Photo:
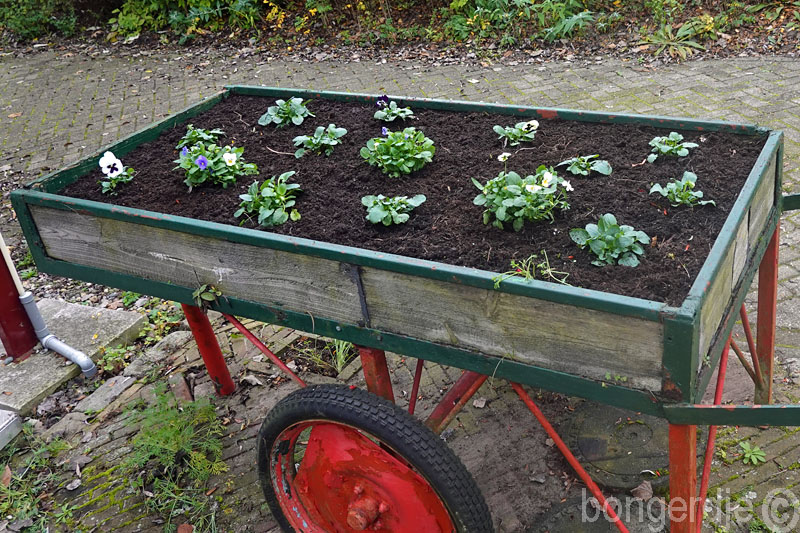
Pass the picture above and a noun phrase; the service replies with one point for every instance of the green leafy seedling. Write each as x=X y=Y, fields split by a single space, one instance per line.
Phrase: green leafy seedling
x=271 y=202
x=195 y=135
x=680 y=192
x=322 y=140
x=752 y=454
x=292 y=111
x=393 y=210
x=583 y=165
x=610 y=242
x=670 y=145
x=206 y=295
x=390 y=112
x=518 y=133
x=400 y=152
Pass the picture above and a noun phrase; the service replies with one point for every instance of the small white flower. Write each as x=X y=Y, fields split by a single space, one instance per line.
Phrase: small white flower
x=532 y=125
x=503 y=157
x=567 y=185
x=547 y=179
x=110 y=165
x=230 y=158
x=532 y=188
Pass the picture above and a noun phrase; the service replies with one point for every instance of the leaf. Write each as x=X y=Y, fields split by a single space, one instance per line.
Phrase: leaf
x=294 y=215
x=207 y=296
x=644 y=491
x=14 y=115
x=579 y=236
x=628 y=259
x=652 y=157
x=602 y=166
x=6 y=479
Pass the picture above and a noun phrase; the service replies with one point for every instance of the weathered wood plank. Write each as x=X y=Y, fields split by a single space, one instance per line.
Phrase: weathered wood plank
x=741 y=251
x=555 y=336
x=296 y=282
x=763 y=201
x=716 y=302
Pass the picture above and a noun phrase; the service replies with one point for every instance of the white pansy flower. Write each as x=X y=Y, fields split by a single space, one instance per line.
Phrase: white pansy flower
x=567 y=185
x=547 y=179
x=532 y=124
x=110 y=165
x=503 y=157
x=230 y=158
x=532 y=188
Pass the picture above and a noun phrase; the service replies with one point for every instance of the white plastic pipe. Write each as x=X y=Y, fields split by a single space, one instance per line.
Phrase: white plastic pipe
x=48 y=340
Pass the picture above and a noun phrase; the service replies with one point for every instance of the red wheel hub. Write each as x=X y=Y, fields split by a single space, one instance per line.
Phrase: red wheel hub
x=347 y=482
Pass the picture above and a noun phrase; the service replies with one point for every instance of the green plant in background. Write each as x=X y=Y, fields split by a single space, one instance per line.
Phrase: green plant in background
x=129 y=298
x=174 y=453
x=388 y=110
x=162 y=317
x=752 y=454
x=284 y=112
x=400 y=152
x=510 y=198
x=206 y=295
x=670 y=145
x=582 y=165
x=681 y=192
x=393 y=210
x=678 y=44
x=518 y=133
x=211 y=163
x=343 y=353
x=198 y=135
x=26 y=266
x=34 y=476
x=31 y=19
x=532 y=268
x=113 y=360
x=323 y=140
x=610 y=242
x=271 y=202
x=663 y=11
x=566 y=27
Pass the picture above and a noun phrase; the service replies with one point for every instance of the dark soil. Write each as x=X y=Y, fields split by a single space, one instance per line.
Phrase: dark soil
x=315 y=355
x=448 y=227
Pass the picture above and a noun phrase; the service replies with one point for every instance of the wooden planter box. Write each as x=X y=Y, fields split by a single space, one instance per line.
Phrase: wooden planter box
x=561 y=338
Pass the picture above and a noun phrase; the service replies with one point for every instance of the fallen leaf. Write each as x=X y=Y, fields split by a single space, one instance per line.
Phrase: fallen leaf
x=474 y=81
x=74 y=484
x=479 y=403
x=643 y=492
x=14 y=115
x=6 y=479
x=211 y=491
x=185 y=528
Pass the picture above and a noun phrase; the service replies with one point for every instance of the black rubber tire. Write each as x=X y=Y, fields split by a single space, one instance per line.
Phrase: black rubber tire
x=394 y=427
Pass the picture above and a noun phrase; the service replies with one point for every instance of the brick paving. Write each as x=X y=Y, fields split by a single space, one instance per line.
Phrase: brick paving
x=58 y=107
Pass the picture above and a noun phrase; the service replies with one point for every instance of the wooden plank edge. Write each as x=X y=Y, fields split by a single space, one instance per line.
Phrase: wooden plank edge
x=733 y=415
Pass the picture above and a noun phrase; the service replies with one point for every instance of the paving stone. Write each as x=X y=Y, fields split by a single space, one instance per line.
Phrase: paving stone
x=105 y=394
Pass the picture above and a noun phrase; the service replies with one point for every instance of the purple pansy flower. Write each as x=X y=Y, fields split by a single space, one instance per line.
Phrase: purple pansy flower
x=384 y=131
x=184 y=152
x=383 y=101
x=201 y=162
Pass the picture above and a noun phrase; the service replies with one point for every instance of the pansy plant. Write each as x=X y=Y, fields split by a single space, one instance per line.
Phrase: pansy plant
x=322 y=140
x=583 y=165
x=680 y=192
x=195 y=135
x=511 y=199
x=272 y=202
x=518 y=133
x=292 y=111
x=672 y=144
x=392 y=210
x=115 y=172
x=388 y=110
x=399 y=152
x=211 y=163
x=610 y=242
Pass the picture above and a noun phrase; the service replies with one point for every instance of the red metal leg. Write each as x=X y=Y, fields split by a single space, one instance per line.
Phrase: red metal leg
x=16 y=331
x=712 y=435
x=751 y=345
x=376 y=372
x=682 y=478
x=458 y=395
x=765 y=328
x=209 y=349
x=263 y=347
x=573 y=462
x=412 y=404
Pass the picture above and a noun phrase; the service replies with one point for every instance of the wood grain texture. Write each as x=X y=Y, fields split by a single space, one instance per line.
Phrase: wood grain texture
x=561 y=337
x=294 y=282
x=763 y=201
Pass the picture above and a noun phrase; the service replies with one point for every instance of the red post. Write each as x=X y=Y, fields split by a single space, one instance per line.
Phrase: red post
x=412 y=403
x=458 y=395
x=16 y=331
x=209 y=349
x=767 y=313
x=682 y=478
x=376 y=372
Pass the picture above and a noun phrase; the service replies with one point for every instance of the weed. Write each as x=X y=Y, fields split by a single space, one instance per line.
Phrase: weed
x=113 y=360
x=129 y=298
x=675 y=44
x=752 y=454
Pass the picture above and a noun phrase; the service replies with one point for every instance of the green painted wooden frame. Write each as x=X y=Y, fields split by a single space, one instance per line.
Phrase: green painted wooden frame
x=681 y=364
